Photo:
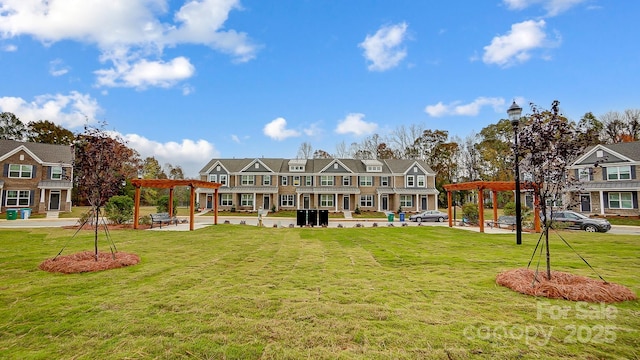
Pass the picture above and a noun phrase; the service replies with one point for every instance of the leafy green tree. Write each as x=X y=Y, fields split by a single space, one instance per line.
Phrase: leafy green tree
x=119 y=209
x=162 y=205
x=589 y=129
x=11 y=128
x=46 y=132
x=496 y=152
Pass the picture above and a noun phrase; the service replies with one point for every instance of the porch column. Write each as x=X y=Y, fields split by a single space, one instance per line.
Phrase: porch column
x=336 y=200
x=601 y=193
x=42 y=194
x=215 y=207
x=255 y=201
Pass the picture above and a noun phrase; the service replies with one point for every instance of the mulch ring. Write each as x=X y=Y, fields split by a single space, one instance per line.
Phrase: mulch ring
x=86 y=262
x=563 y=286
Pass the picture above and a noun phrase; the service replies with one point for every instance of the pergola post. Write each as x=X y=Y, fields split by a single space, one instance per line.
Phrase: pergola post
x=192 y=204
x=481 y=209
x=171 y=201
x=494 y=200
x=449 y=208
x=215 y=207
x=136 y=208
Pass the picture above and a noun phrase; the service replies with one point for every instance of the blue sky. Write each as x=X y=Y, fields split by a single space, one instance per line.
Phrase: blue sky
x=186 y=81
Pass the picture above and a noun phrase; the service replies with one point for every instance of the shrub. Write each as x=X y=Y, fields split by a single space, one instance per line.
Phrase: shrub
x=470 y=212
x=119 y=209
x=145 y=220
x=162 y=205
x=510 y=209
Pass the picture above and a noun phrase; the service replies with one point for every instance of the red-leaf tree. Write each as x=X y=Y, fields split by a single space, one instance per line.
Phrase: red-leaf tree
x=102 y=164
x=549 y=143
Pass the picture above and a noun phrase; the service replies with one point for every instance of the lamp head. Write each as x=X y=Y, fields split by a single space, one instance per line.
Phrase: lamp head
x=514 y=113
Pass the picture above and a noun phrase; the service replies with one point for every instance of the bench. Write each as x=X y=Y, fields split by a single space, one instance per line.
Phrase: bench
x=505 y=220
x=162 y=218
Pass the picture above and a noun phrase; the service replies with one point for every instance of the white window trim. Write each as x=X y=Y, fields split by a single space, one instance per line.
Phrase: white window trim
x=56 y=170
x=366 y=201
x=621 y=201
x=19 y=195
x=411 y=181
x=251 y=180
x=368 y=182
x=421 y=181
x=246 y=200
x=618 y=172
x=327 y=180
x=326 y=200
x=20 y=171
x=226 y=199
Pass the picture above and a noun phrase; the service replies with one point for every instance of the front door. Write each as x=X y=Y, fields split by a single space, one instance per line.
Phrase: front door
x=423 y=203
x=305 y=202
x=345 y=202
x=209 y=201
x=266 y=202
x=585 y=203
x=54 y=201
x=385 y=202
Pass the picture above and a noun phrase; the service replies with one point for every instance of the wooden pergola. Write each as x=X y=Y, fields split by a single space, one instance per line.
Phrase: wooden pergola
x=494 y=187
x=171 y=184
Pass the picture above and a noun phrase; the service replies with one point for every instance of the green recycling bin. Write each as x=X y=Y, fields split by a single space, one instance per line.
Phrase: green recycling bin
x=390 y=217
x=12 y=214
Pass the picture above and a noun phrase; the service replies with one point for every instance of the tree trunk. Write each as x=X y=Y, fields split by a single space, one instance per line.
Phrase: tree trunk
x=546 y=233
x=97 y=212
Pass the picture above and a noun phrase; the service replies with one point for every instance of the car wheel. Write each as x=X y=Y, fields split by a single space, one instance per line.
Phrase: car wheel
x=440 y=219
x=419 y=219
x=590 y=228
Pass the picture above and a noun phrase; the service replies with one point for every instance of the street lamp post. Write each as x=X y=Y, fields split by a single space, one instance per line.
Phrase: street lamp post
x=514 y=115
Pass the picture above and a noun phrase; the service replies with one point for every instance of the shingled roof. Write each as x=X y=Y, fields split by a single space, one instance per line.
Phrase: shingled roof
x=47 y=153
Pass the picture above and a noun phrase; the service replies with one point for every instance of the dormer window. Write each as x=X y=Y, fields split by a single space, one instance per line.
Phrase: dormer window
x=296 y=168
x=374 y=168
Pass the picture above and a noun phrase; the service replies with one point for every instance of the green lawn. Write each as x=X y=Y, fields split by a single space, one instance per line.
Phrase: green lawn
x=243 y=292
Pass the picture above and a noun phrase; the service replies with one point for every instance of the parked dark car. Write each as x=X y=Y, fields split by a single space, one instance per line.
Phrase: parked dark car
x=429 y=215
x=577 y=221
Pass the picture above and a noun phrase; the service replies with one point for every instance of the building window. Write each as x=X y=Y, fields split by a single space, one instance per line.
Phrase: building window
x=246 y=200
x=366 y=200
x=266 y=180
x=326 y=180
x=621 y=200
x=226 y=199
x=584 y=174
x=366 y=180
x=296 y=168
x=223 y=179
x=283 y=181
x=248 y=179
x=213 y=178
x=256 y=165
x=296 y=180
x=309 y=180
x=411 y=182
x=287 y=200
x=406 y=200
x=20 y=171
x=421 y=181
x=56 y=173
x=326 y=200
x=374 y=168
x=619 y=173
x=17 y=198
x=346 y=181
x=384 y=181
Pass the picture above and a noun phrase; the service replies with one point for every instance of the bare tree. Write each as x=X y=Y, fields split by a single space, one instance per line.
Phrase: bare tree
x=305 y=151
x=402 y=139
x=342 y=152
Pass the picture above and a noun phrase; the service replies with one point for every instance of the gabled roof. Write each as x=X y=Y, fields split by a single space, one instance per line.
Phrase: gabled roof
x=613 y=153
x=401 y=166
x=239 y=165
x=42 y=153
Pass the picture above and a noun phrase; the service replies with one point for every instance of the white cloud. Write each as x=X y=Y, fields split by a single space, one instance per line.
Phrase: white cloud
x=313 y=130
x=384 y=49
x=355 y=124
x=457 y=108
x=516 y=46
x=70 y=111
x=10 y=48
x=143 y=73
x=128 y=32
x=57 y=68
x=277 y=130
x=553 y=7
x=190 y=155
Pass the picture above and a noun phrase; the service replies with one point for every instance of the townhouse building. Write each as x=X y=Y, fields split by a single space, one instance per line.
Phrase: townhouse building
x=335 y=185
x=607 y=180
x=35 y=176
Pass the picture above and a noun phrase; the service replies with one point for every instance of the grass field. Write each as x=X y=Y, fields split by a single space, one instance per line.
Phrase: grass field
x=242 y=292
